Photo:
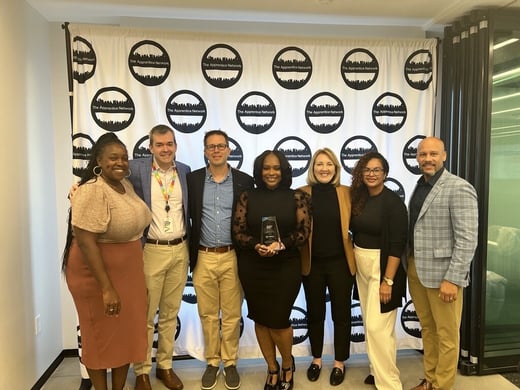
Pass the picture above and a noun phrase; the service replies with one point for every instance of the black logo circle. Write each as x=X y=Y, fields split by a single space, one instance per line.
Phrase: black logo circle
x=149 y=63
x=389 y=112
x=112 y=109
x=256 y=112
x=357 y=334
x=299 y=324
x=410 y=321
x=297 y=152
x=188 y=294
x=359 y=69
x=324 y=113
x=410 y=154
x=84 y=60
x=186 y=111
x=353 y=149
x=221 y=65
x=395 y=186
x=141 y=148
x=292 y=68
x=418 y=69
x=81 y=150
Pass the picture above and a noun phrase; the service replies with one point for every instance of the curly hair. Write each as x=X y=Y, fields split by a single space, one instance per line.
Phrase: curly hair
x=358 y=188
x=285 y=167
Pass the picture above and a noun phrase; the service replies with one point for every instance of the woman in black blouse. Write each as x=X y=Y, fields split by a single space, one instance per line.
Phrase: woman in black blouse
x=379 y=226
x=333 y=265
x=270 y=273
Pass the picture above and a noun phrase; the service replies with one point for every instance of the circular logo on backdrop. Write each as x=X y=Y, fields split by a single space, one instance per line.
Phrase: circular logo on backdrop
x=410 y=321
x=188 y=294
x=292 y=68
x=141 y=148
x=149 y=63
x=357 y=334
x=186 y=111
x=256 y=112
x=84 y=60
x=297 y=152
x=236 y=155
x=324 y=113
x=81 y=149
x=155 y=342
x=418 y=69
x=395 y=186
x=298 y=320
x=221 y=65
x=359 y=69
x=389 y=112
x=410 y=154
x=353 y=149
x=112 y=109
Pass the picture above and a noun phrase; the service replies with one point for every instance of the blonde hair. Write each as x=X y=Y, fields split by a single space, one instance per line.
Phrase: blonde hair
x=311 y=177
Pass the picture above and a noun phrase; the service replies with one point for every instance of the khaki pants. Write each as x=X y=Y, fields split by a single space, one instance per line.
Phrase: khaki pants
x=166 y=271
x=440 y=323
x=380 y=336
x=219 y=302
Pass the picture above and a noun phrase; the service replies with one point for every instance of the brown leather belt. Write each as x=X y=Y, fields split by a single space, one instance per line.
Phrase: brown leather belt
x=175 y=241
x=217 y=249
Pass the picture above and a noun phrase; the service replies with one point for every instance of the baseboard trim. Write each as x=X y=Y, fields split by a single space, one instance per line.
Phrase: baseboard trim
x=49 y=371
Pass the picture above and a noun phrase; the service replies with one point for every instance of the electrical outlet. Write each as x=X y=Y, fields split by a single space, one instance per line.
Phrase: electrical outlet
x=37 y=325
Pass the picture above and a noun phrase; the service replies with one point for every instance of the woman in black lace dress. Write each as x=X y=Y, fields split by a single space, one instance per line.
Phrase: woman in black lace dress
x=270 y=273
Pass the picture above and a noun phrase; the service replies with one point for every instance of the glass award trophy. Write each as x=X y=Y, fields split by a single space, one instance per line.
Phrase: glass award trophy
x=270 y=231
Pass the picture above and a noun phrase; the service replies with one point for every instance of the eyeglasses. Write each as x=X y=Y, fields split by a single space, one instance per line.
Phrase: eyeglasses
x=374 y=171
x=215 y=147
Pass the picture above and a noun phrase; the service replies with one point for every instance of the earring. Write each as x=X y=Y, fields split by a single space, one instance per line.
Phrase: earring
x=129 y=173
x=97 y=170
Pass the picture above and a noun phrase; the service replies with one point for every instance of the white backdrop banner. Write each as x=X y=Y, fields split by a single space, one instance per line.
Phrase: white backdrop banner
x=291 y=94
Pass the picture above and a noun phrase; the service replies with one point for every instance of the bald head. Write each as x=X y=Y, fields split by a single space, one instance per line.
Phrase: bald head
x=431 y=155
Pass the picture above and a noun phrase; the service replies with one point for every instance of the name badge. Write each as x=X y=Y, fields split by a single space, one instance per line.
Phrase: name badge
x=168 y=225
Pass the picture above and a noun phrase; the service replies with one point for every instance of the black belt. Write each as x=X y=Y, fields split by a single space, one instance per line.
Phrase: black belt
x=175 y=241
x=216 y=249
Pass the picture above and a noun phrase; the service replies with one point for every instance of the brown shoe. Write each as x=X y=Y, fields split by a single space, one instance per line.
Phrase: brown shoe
x=424 y=385
x=142 y=382
x=169 y=378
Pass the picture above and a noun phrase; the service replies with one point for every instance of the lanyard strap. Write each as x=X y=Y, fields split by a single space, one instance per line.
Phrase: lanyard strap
x=165 y=192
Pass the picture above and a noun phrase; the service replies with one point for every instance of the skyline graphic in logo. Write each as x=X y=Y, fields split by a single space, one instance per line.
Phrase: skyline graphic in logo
x=256 y=112
x=236 y=155
x=357 y=330
x=292 y=68
x=188 y=295
x=221 y=66
x=83 y=60
x=141 y=149
x=389 y=112
x=112 y=109
x=410 y=321
x=359 y=69
x=298 y=319
x=186 y=111
x=396 y=186
x=410 y=154
x=297 y=152
x=353 y=149
x=324 y=113
x=418 y=69
x=149 y=63
x=81 y=148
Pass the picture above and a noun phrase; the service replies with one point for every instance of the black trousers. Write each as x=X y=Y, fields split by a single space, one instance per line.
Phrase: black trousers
x=332 y=274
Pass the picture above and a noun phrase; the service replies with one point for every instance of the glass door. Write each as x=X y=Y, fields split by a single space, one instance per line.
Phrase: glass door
x=502 y=300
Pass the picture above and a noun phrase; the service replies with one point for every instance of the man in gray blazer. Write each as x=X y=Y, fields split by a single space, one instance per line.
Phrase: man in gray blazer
x=161 y=182
x=443 y=238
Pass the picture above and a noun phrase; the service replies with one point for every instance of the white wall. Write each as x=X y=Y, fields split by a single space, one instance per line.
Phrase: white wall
x=29 y=268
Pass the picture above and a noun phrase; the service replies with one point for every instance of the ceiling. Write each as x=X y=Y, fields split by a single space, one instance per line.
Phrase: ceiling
x=428 y=15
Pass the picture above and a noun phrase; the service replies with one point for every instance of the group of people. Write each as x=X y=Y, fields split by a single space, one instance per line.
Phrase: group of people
x=135 y=227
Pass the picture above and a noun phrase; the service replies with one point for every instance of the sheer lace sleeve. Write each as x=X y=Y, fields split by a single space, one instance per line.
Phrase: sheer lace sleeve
x=303 y=220
x=241 y=234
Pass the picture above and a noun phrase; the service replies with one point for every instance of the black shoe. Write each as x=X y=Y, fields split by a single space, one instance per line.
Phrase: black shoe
x=270 y=375
x=85 y=384
x=313 y=372
x=337 y=375
x=369 y=380
x=288 y=384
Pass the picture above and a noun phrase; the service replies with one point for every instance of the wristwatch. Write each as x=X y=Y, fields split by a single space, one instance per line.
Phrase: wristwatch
x=388 y=281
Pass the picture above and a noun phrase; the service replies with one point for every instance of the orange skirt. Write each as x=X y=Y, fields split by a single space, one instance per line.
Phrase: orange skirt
x=110 y=342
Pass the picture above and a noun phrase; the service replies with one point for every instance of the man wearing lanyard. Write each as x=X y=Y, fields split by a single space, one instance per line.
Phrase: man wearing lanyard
x=213 y=192
x=161 y=182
